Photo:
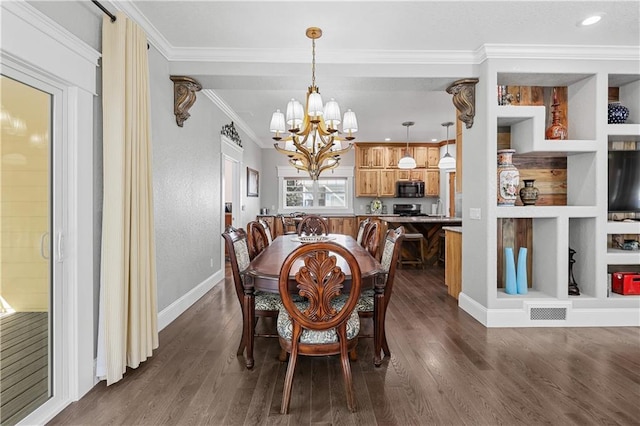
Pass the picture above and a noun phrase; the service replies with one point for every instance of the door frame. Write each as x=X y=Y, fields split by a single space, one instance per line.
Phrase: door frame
x=36 y=49
x=233 y=154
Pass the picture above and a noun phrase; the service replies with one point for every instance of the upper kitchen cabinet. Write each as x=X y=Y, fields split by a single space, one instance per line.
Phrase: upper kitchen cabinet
x=377 y=168
x=426 y=156
x=370 y=157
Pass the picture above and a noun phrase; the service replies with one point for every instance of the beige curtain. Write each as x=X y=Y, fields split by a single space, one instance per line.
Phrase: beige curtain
x=128 y=329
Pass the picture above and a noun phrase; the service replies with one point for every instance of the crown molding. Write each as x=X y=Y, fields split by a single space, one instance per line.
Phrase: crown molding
x=229 y=112
x=154 y=37
x=46 y=25
x=565 y=52
x=393 y=57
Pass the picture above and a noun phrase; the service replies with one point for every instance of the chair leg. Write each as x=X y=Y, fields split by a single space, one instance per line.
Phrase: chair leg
x=249 y=316
x=288 y=382
x=353 y=355
x=385 y=345
x=283 y=355
x=346 y=372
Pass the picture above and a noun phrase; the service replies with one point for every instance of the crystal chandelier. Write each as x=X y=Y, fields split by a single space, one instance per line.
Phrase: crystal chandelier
x=313 y=144
x=447 y=161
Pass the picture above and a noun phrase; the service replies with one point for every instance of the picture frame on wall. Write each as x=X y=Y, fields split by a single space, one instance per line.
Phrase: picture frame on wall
x=253 y=182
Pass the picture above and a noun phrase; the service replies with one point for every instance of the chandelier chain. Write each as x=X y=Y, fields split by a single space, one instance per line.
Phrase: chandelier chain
x=313 y=62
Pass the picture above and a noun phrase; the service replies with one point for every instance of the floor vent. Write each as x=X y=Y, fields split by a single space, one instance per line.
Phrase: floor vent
x=545 y=314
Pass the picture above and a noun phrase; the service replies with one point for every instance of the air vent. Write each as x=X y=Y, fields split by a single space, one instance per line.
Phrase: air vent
x=548 y=314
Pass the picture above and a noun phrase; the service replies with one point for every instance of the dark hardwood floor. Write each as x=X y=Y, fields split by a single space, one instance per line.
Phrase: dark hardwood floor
x=445 y=369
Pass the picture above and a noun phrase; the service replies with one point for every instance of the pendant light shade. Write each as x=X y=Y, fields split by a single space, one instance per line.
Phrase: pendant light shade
x=447 y=161
x=407 y=162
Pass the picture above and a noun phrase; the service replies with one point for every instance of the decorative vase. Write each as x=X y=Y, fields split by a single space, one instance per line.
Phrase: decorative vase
x=510 y=286
x=557 y=131
x=521 y=273
x=508 y=178
x=529 y=193
x=617 y=113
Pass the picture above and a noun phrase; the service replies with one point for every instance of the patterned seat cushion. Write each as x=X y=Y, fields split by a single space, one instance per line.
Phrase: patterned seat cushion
x=285 y=328
x=265 y=301
x=365 y=301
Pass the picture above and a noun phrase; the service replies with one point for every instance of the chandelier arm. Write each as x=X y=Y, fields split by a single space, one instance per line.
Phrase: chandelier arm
x=328 y=167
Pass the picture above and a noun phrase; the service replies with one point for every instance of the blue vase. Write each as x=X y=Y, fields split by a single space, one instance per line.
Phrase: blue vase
x=510 y=269
x=521 y=274
x=617 y=113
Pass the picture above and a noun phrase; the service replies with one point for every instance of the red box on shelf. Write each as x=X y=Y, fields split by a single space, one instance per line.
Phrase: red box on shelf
x=626 y=283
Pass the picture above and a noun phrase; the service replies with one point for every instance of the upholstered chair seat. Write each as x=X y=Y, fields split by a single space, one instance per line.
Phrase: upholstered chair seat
x=318 y=337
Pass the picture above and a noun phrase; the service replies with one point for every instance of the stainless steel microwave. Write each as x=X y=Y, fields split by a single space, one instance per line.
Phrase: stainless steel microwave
x=410 y=189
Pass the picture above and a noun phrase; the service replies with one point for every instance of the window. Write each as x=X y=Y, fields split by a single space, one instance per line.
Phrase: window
x=321 y=193
x=331 y=192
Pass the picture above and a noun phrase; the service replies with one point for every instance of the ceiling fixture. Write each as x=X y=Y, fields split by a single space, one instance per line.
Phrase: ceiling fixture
x=407 y=162
x=312 y=144
x=447 y=161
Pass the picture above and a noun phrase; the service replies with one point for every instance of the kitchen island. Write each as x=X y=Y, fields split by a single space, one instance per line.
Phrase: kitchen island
x=430 y=227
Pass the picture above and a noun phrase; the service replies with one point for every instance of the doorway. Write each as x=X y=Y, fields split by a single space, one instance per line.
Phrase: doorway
x=27 y=223
x=231 y=208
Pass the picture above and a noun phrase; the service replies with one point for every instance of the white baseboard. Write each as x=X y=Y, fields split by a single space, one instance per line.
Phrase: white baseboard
x=575 y=317
x=174 y=310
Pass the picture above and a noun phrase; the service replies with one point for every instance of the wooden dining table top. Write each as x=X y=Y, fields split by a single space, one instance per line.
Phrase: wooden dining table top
x=265 y=268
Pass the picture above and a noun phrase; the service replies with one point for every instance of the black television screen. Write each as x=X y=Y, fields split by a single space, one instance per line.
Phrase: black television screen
x=624 y=181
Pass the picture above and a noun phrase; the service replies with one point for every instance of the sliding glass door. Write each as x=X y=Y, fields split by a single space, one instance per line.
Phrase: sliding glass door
x=28 y=233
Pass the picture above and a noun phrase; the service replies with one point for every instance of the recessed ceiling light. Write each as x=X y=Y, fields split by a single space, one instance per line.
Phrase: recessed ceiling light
x=387 y=139
x=590 y=20
x=434 y=140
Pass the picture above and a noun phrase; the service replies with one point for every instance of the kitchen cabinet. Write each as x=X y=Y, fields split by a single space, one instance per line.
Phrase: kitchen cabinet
x=367 y=183
x=387 y=183
x=393 y=154
x=432 y=183
x=342 y=225
x=377 y=168
x=453 y=260
x=414 y=174
x=371 y=157
x=426 y=156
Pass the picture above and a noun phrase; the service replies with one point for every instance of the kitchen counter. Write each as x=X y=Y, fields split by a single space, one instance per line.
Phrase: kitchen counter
x=423 y=219
x=457 y=229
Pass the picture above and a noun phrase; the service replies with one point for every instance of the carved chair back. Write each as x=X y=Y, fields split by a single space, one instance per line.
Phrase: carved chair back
x=313 y=225
x=371 y=238
x=257 y=238
x=267 y=230
x=238 y=250
x=361 y=228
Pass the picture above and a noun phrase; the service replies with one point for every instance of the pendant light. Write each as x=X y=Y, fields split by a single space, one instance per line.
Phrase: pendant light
x=407 y=162
x=447 y=161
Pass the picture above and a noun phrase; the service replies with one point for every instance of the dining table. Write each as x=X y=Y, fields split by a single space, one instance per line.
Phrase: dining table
x=263 y=274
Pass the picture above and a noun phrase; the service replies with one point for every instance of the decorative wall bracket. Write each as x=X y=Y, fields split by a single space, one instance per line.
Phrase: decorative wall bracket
x=184 y=96
x=464 y=99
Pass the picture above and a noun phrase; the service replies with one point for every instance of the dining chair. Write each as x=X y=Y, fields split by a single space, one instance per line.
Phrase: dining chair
x=313 y=225
x=361 y=228
x=366 y=304
x=322 y=323
x=256 y=238
x=267 y=230
x=289 y=225
x=371 y=239
x=265 y=304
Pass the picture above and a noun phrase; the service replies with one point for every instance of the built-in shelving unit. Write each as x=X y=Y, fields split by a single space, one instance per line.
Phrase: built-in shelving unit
x=581 y=224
